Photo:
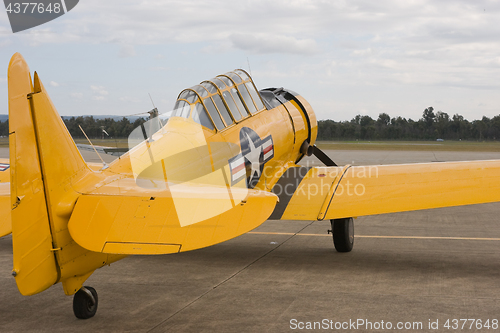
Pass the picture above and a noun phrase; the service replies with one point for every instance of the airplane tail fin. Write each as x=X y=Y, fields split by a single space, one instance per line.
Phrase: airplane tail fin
x=44 y=163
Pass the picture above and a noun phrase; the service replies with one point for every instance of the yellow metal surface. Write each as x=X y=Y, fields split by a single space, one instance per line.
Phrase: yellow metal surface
x=338 y=192
x=312 y=118
x=397 y=188
x=63 y=183
x=140 y=248
x=310 y=195
x=35 y=267
x=264 y=124
x=150 y=225
x=333 y=188
x=95 y=166
x=299 y=124
x=73 y=284
x=43 y=190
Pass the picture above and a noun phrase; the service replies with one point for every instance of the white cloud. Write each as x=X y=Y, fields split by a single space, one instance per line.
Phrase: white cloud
x=127 y=51
x=54 y=84
x=160 y=68
x=421 y=47
x=77 y=95
x=99 y=93
x=269 y=43
x=99 y=90
x=364 y=53
x=297 y=26
x=4 y=42
x=129 y=99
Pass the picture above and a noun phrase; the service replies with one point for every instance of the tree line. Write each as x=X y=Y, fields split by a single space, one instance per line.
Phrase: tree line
x=92 y=127
x=432 y=126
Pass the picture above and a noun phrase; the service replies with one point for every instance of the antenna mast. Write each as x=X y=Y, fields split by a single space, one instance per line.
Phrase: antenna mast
x=105 y=166
x=249 y=69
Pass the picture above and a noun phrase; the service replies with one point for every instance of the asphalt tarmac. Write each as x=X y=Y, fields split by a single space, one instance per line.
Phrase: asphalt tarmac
x=410 y=269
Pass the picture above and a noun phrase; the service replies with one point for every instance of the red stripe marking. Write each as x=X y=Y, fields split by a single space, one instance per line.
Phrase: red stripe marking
x=239 y=167
x=266 y=150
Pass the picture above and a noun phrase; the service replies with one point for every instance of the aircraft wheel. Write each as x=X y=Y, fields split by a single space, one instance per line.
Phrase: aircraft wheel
x=85 y=303
x=343 y=234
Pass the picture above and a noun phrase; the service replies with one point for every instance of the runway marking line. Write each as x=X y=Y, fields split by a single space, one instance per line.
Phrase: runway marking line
x=368 y=236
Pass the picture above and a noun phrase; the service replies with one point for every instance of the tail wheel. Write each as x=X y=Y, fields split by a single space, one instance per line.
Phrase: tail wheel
x=343 y=234
x=85 y=303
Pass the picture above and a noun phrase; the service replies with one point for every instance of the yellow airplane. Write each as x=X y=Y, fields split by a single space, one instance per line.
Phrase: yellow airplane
x=220 y=164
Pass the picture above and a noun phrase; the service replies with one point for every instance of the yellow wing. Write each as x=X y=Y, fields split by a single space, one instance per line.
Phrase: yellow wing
x=338 y=192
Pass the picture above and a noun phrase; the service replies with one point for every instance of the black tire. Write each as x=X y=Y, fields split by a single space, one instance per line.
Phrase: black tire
x=83 y=306
x=343 y=234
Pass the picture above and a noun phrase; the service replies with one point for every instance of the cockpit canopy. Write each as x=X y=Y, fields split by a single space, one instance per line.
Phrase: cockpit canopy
x=220 y=102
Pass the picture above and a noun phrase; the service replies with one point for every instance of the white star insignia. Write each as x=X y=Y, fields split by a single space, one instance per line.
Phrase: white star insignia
x=254 y=158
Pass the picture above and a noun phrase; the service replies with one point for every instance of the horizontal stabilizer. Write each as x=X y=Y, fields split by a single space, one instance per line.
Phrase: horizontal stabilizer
x=137 y=223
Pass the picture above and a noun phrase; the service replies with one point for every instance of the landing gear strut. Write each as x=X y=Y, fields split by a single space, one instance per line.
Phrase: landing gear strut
x=85 y=303
x=343 y=234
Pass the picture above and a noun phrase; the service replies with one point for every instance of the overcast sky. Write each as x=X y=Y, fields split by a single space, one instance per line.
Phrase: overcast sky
x=345 y=57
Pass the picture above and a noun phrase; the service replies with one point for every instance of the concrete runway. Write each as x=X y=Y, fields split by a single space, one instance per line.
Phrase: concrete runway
x=406 y=267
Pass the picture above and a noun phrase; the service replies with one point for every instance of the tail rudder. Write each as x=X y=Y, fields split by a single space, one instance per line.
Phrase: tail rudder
x=35 y=268
x=45 y=166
